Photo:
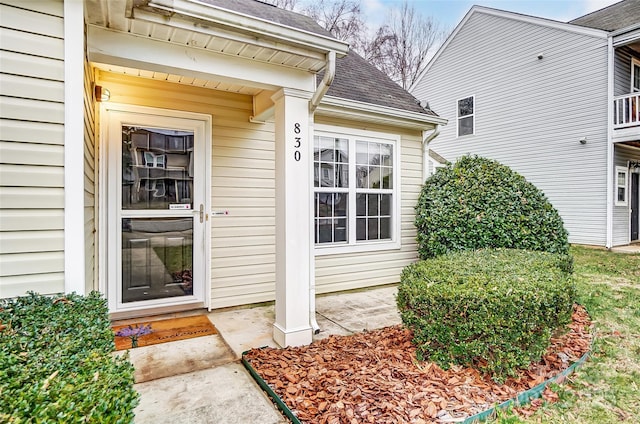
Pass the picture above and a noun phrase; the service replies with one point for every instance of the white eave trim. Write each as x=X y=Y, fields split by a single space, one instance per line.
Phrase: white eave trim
x=369 y=112
x=626 y=35
x=246 y=23
x=592 y=32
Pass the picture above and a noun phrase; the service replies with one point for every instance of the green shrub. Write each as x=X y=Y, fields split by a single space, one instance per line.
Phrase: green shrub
x=479 y=203
x=56 y=362
x=493 y=309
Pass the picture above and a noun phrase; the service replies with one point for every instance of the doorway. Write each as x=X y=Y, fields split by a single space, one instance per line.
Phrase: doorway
x=156 y=209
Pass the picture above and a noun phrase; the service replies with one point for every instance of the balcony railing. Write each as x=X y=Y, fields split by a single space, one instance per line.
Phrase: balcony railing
x=626 y=111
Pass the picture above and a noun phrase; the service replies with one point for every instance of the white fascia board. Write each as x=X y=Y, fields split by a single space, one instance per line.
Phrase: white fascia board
x=626 y=35
x=105 y=46
x=246 y=23
x=514 y=16
x=369 y=112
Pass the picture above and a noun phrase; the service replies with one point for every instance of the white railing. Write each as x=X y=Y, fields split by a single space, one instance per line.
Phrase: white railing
x=626 y=111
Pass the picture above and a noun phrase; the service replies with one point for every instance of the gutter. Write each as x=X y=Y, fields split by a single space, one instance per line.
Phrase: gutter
x=425 y=150
x=610 y=64
x=323 y=87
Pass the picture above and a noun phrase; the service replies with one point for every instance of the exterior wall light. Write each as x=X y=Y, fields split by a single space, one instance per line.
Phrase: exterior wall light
x=101 y=94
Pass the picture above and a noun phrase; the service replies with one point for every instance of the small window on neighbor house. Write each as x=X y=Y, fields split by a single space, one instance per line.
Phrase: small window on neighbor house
x=621 y=186
x=466 y=116
x=635 y=75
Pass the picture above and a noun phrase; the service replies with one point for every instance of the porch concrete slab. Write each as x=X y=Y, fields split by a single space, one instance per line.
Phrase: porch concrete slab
x=225 y=394
x=246 y=328
x=359 y=311
x=179 y=357
x=629 y=248
x=337 y=314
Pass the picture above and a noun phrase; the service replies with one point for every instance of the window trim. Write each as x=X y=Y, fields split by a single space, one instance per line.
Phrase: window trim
x=634 y=62
x=473 y=116
x=352 y=245
x=625 y=171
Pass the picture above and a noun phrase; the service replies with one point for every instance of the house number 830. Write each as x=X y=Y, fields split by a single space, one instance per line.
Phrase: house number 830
x=296 y=131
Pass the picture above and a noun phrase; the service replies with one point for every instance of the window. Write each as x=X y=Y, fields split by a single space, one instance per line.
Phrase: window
x=466 y=116
x=621 y=186
x=635 y=75
x=355 y=190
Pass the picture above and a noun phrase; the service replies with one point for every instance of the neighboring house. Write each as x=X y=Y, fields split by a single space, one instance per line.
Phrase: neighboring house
x=558 y=102
x=180 y=154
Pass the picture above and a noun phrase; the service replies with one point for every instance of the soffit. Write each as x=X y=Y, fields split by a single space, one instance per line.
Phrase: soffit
x=136 y=18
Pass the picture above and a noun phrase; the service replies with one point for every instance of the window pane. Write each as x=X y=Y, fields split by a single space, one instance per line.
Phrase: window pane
x=621 y=194
x=387 y=178
x=372 y=207
x=340 y=230
x=324 y=230
x=326 y=149
x=361 y=229
x=342 y=150
x=372 y=226
x=362 y=157
x=361 y=204
x=342 y=175
x=374 y=153
x=387 y=154
x=385 y=204
x=465 y=126
x=385 y=228
x=636 y=77
x=325 y=204
x=340 y=204
x=362 y=176
x=622 y=179
x=465 y=106
x=157 y=168
x=326 y=175
x=316 y=174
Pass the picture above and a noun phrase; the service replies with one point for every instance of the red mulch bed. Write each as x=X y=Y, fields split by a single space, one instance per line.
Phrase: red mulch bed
x=374 y=377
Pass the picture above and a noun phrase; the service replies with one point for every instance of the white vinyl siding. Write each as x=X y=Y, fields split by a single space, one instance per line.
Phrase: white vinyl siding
x=347 y=271
x=621 y=214
x=531 y=124
x=242 y=183
x=31 y=147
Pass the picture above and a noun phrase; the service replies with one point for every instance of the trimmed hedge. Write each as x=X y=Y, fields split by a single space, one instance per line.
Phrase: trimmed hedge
x=494 y=310
x=478 y=203
x=56 y=362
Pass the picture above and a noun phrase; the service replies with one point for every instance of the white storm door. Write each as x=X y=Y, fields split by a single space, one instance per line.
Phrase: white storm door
x=157 y=210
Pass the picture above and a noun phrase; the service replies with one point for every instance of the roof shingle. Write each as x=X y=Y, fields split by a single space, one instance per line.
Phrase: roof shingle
x=617 y=16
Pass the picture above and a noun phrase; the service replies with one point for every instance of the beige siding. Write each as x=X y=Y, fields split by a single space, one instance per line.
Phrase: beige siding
x=242 y=182
x=31 y=147
x=357 y=270
x=90 y=195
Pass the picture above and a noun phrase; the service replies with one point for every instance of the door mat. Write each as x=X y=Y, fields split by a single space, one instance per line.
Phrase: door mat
x=147 y=333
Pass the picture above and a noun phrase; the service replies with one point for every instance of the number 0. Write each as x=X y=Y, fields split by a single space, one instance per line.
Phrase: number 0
x=296 y=155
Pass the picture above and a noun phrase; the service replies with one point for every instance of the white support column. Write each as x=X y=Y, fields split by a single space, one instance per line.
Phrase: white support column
x=293 y=232
x=74 y=237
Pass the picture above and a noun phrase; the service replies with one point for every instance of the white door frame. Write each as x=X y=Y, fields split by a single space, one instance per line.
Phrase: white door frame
x=112 y=117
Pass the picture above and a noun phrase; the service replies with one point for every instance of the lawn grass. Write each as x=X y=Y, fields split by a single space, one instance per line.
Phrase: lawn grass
x=606 y=389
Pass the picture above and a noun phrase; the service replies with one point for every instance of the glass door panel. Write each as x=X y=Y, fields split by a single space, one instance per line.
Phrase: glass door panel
x=157 y=258
x=156 y=214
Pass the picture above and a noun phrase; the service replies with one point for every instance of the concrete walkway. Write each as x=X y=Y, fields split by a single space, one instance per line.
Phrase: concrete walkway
x=200 y=380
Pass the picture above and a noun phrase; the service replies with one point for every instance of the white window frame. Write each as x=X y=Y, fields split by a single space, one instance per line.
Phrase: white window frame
x=473 y=116
x=634 y=62
x=625 y=171
x=352 y=245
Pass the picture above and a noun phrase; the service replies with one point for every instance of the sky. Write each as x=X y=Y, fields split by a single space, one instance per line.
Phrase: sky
x=450 y=12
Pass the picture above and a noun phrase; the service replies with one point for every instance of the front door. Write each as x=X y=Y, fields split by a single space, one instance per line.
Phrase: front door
x=157 y=201
x=635 y=206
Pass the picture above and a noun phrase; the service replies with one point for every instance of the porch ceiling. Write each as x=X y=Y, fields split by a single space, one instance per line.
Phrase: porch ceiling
x=180 y=79
x=138 y=18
